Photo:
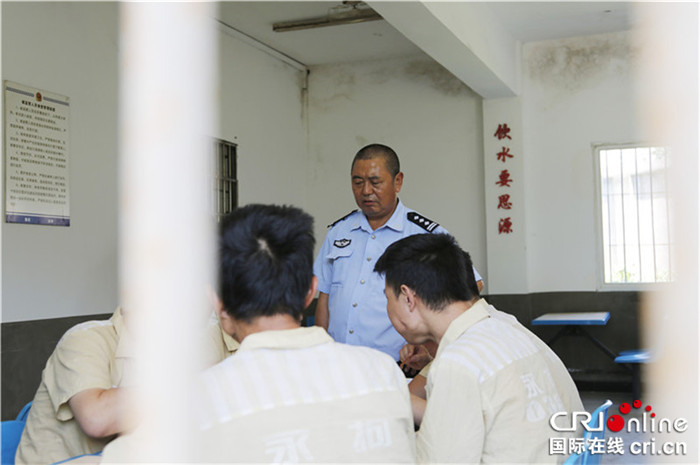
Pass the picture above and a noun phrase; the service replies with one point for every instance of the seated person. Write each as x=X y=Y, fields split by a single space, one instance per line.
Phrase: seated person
x=79 y=406
x=289 y=394
x=416 y=358
x=493 y=385
x=218 y=345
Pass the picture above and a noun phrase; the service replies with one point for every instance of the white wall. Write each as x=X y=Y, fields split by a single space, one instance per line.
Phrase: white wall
x=576 y=92
x=69 y=49
x=431 y=119
x=262 y=109
x=51 y=272
x=506 y=250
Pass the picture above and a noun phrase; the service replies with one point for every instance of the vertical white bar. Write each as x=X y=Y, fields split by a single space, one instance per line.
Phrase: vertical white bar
x=651 y=209
x=166 y=108
x=608 y=232
x=668 y=76
x=636 y=205
x=2 y=164
x=624 y=226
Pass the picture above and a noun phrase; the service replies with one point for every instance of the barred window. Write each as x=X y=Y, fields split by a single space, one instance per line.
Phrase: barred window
x=225 y=183
x=635 y=215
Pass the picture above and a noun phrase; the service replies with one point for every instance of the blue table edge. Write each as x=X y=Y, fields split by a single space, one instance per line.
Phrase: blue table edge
x=561 y=322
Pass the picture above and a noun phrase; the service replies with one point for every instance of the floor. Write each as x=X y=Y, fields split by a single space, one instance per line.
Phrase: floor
x=592 y=400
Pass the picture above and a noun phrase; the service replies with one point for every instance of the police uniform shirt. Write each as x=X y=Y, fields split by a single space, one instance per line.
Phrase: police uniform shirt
x=297 y=396
x=90 y=355
x=492 y=389
x=344 y=268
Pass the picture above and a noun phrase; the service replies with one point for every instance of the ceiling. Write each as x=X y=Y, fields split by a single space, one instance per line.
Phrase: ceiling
x=524 y=21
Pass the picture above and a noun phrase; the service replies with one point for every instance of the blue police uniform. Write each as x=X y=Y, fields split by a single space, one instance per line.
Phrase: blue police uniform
x=345 y=271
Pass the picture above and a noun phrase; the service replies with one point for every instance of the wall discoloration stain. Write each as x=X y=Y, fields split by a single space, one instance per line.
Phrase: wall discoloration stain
x=344 y=80
x=343 y=85
x=573 y=64
x=436 y=76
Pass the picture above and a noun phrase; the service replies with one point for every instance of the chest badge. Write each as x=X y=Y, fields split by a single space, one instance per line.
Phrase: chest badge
x=342 y=243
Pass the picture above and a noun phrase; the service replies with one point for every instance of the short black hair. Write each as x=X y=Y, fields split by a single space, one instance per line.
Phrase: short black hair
x=471 y=279
x=433 y=265
x=379 y=151
x=265 y=261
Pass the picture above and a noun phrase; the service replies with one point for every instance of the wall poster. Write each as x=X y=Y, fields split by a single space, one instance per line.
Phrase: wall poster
x=37 y=138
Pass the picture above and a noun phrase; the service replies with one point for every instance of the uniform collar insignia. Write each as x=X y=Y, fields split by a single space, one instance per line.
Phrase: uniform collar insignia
x=423 y=222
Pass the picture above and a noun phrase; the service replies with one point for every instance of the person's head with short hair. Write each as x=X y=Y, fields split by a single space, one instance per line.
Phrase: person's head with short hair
x=386 y=153
x=471 y=279
x=266 y=262
x=426 y=271
x=376 y=182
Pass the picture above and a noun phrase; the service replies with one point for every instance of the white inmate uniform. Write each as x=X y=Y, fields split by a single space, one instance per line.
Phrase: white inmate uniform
x=492 y=389
x=297 y=396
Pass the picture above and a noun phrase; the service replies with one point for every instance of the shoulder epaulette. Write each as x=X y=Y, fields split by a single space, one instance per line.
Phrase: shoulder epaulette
x=341 y=219
x=422 y=221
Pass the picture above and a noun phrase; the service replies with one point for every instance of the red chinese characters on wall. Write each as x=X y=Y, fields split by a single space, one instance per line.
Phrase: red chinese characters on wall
x=502 y=132
x=505 y=225
x=504 y=154
x=504 y=202
x=504 y=179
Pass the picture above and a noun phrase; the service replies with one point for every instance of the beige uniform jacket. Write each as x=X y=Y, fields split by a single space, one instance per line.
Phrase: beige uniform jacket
x=218 y=344
x=297 y=396
x=492 y=389
x=90 y=355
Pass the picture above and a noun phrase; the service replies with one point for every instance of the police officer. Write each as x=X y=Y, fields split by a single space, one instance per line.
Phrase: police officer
x=351 y=303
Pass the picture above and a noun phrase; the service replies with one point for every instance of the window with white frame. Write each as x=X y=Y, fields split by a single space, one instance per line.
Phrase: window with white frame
x=635 y=214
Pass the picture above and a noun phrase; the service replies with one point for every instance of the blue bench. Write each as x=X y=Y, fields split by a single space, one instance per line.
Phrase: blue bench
x=573 y=324
x=10 y=433
x=587 y=457
x=632 y=359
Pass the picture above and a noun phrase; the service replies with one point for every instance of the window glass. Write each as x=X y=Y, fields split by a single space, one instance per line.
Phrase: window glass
x=635 y=223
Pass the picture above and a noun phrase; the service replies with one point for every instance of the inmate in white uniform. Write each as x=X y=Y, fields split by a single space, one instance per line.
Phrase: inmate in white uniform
x=492 y=389
x=296 y=396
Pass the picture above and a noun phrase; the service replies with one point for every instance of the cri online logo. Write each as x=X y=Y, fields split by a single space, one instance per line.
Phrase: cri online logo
x=648 y=422
x=616 y=423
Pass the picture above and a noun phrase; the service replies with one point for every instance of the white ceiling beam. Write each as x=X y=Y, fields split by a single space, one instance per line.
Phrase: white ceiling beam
x=465 y=38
